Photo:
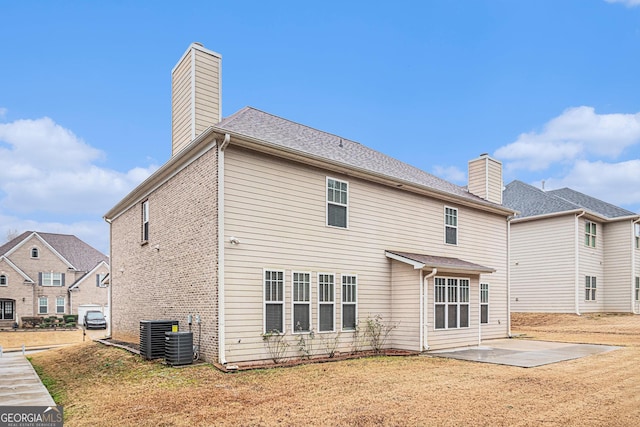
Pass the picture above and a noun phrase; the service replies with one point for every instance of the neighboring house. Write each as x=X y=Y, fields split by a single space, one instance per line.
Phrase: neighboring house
x=259 y=225
x=45 y=274
x=572 y=253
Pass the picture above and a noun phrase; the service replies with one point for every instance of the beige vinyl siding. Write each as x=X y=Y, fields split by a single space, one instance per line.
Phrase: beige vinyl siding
x=405 y=305
x=543 y=265
x=591 y=264
x=277 y=209
x=485 y=178
x=181 y=105
x=635 y=273
x=207 y=91
x=619 y=278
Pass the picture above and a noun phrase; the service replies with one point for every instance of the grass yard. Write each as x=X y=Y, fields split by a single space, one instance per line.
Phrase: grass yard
x=99 y=385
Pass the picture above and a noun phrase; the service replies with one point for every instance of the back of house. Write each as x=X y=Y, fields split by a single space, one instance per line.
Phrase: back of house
x=262 y=230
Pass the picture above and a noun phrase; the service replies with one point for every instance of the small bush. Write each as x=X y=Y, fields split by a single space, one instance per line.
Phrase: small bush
x=276 y=345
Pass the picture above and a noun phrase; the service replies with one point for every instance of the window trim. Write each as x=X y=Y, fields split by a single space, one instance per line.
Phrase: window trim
x=637 y=289
x=294 y=303
x=4 y=280
x=328 y=202
x=40 y=305
x=332 y=302
x=145 y=222
x=484 y=301
x=590 y=233
x=34 y=253
x=590 y=287
x=64 y=305
x=454 y=227
x=446 y=303
x=266 y=302
x=349 y=303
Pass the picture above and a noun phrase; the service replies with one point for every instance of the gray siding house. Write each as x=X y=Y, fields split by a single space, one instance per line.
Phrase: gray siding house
x=572 y=253
x=260 y=225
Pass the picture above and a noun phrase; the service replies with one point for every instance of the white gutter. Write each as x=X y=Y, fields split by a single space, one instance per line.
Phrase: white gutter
x=508 y=276
x=109 y=297
x=577 y=267
x=221 y=314
x=424 y=327
x=633 y=266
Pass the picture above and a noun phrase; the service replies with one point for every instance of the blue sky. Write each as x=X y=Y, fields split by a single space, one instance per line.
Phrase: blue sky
x=550 y=88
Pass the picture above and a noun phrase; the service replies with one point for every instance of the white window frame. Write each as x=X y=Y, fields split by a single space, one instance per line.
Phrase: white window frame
x=637 y=289
x=268 y=301
x=295 y=299
x=64 y=304
x=337 y=203
x=4 y=280
x=590 y=232
x=40 y=305
x=99 y=278
x=50 y=278
x=34 y=253
x=145 y=221
x=321 y=302
x=349 y=300
x=484 y=301
x=451 y=213
x=590 y=287
x=444 y=297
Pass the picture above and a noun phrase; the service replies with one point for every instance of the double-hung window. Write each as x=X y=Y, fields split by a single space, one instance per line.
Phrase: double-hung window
x=484 y=303
x=60 y=305
x=451 y=303
x=3 y=280
x=451 y=226
x=273 y=301
x=145 y=221
x=590 y=234
x=99 y=278
x=52 y=279
x=590 y=288
x=637 y=289
x=349 y=301
x=337 y=202
x=43 y=305
x=301 y=298
x=326 y=298
x=35 y=253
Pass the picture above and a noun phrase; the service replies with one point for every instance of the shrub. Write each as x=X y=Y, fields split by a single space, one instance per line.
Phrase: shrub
x=70 y=318
x=31 y=322
x=276 y=345
x=378 y=331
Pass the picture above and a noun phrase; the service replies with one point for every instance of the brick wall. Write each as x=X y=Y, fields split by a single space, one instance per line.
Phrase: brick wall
x=174 y=274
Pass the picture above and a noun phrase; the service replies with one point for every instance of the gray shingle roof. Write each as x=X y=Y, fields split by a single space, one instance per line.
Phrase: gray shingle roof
x=278 y=131
x=532 y=201
x=82 y=256
x=442 y=262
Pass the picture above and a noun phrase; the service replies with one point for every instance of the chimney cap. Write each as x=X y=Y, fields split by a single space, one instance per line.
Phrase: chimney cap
x=484 y=155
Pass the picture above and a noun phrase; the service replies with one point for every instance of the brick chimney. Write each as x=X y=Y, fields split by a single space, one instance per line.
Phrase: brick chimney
x=485 y=178
x=196 y=95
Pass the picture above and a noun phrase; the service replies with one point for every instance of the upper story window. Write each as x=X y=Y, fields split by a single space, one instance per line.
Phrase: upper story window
x=52 y=279
x=337 y=202
x=99 y=278
x=637 y=290
x=637 y=235
x=451 y=226
x=35 y=253
x=3 y=280
x=590 y=234
x=145 y=221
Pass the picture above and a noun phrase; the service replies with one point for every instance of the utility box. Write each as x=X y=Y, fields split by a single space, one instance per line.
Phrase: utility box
x=178 y=348
x=152 y=337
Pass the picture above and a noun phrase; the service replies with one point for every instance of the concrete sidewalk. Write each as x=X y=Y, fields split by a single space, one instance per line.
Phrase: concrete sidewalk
x=19 y=383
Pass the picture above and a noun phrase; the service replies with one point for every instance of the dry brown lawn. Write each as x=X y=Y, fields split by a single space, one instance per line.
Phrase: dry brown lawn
x=99 y=385
x=35 y=338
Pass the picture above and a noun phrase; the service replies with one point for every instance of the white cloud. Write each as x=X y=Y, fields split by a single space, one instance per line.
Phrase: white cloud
x=45 y=168
x=3 y=112
x=577 y=132
x=616 y=183
x=628 y=3
x=450 y=173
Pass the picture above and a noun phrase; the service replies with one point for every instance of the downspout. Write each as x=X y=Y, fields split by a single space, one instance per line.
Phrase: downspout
x=423 y=305
x=508 y=276
x=633 y=266
x=221 y=315
x=109 y=296
x=577 y=254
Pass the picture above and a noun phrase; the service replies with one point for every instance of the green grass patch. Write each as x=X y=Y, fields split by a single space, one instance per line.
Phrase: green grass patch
x=53 y=387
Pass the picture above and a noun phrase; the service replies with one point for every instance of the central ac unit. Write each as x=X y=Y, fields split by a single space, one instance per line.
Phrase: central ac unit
x=152 y=337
